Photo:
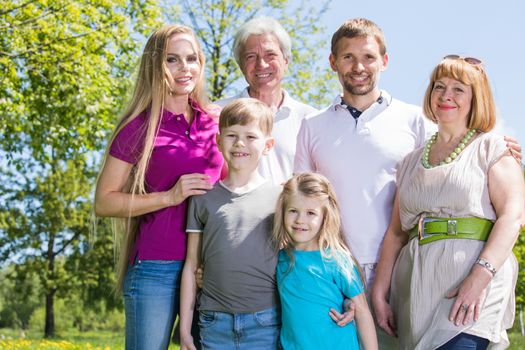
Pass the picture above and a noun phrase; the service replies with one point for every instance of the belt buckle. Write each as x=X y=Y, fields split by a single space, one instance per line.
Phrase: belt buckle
x=421 y=227
x=452 y=227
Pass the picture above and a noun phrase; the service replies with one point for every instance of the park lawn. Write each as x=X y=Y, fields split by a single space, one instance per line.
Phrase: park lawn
x=104 y=340
x=71 y=340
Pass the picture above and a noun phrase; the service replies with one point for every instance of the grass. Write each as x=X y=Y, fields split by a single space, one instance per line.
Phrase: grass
x=71 y=340
x=102 y=340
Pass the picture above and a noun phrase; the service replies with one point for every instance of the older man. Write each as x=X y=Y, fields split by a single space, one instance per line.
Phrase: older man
x=262 y=49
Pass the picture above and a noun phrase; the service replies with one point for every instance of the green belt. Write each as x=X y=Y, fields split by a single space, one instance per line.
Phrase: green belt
x=432 y=229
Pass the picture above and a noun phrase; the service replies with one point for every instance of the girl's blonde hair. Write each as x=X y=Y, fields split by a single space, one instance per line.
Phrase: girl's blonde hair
x=332 y=243
x=152 y=85
x=482 y=116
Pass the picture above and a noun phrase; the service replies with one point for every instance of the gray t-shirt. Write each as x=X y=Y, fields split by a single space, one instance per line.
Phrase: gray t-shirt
x=238 y=257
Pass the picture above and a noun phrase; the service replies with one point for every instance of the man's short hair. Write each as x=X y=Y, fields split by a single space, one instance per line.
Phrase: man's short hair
x=359 y=27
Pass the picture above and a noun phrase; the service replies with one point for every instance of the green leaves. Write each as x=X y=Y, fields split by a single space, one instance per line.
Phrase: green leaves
x=65 y=68
x=519 y=252
x=215 y=23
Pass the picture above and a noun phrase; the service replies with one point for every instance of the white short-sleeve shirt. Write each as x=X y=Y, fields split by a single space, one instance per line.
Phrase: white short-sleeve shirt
x=360 y=158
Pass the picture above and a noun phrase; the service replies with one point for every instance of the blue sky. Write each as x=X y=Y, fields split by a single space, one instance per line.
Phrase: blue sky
x=419 y=33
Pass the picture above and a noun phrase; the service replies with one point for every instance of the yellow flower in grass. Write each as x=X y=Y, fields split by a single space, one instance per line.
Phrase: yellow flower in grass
x=57 y=345
x=21 y=344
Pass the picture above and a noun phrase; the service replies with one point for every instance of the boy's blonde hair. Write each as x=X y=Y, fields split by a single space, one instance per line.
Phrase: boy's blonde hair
x=243 y=111
x=482 y=116
x=332 y=243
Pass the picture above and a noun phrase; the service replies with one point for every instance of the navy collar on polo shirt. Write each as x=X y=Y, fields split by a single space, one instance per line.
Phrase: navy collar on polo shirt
x=354 y=111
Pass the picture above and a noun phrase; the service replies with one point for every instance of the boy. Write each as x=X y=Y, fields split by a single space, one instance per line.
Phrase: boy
x=229 y=230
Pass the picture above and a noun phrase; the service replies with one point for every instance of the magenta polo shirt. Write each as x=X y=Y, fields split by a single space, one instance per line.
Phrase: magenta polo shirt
x=180 y=148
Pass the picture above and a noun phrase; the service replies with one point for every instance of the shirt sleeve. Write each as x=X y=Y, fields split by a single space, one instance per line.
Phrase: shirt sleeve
x=349 y=287
x=494 y=147
x=129 y=142
x=303 y=157
x=196 y=216
x=426 y=128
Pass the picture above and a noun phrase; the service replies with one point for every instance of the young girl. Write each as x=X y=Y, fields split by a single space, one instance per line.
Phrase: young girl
x=316 y=270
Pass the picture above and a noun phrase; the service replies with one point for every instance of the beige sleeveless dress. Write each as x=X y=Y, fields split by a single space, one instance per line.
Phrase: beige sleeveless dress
x=424 y=274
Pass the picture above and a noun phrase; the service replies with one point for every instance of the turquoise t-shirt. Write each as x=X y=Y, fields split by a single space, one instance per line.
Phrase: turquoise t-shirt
x=307 y=292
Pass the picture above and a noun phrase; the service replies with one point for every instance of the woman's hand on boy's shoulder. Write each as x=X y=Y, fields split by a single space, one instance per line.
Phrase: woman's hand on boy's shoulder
x=188 y=185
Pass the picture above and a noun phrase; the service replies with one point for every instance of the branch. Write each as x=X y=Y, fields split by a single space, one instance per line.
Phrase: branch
x=17 y=7
x=192 y=16
x=67 y=243
x=39 y=47
x=44 y=14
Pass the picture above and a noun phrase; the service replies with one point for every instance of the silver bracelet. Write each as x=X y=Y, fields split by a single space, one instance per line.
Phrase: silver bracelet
x=486 y=265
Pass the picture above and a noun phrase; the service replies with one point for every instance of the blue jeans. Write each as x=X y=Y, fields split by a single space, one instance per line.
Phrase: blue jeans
x=151 y=300
x=464 y=341
x=253 y=331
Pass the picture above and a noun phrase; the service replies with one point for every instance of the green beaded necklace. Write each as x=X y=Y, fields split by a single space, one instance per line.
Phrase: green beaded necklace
x=460 y=147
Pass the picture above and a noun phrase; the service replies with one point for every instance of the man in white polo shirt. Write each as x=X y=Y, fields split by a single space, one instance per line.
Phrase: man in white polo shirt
x=262 y=49
x=358 y=140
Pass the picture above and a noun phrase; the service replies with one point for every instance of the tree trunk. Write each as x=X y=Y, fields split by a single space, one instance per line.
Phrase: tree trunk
x=49 y=330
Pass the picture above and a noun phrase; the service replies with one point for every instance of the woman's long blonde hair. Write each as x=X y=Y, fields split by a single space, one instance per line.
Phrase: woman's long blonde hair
x=153 y=84
x=332 y=243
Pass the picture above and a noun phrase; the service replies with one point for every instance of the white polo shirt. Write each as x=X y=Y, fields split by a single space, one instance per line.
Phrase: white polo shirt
x=360 y=159
x=277 y=165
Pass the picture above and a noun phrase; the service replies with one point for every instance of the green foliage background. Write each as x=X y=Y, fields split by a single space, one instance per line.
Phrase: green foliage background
x=66 y=69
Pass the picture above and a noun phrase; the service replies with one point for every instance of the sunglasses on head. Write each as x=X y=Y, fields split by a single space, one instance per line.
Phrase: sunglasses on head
x=473 y=61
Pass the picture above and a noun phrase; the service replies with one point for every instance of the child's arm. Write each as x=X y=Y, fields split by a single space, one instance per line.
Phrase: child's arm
x=188 y=290
x=365 y=323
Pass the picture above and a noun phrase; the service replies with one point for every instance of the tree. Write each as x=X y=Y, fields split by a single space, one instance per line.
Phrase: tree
x=65 y=69
x=19 y=292
x=215 y=23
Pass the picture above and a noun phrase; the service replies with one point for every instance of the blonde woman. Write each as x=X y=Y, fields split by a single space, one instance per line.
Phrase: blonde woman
x=447 y=255
x=162 y=152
